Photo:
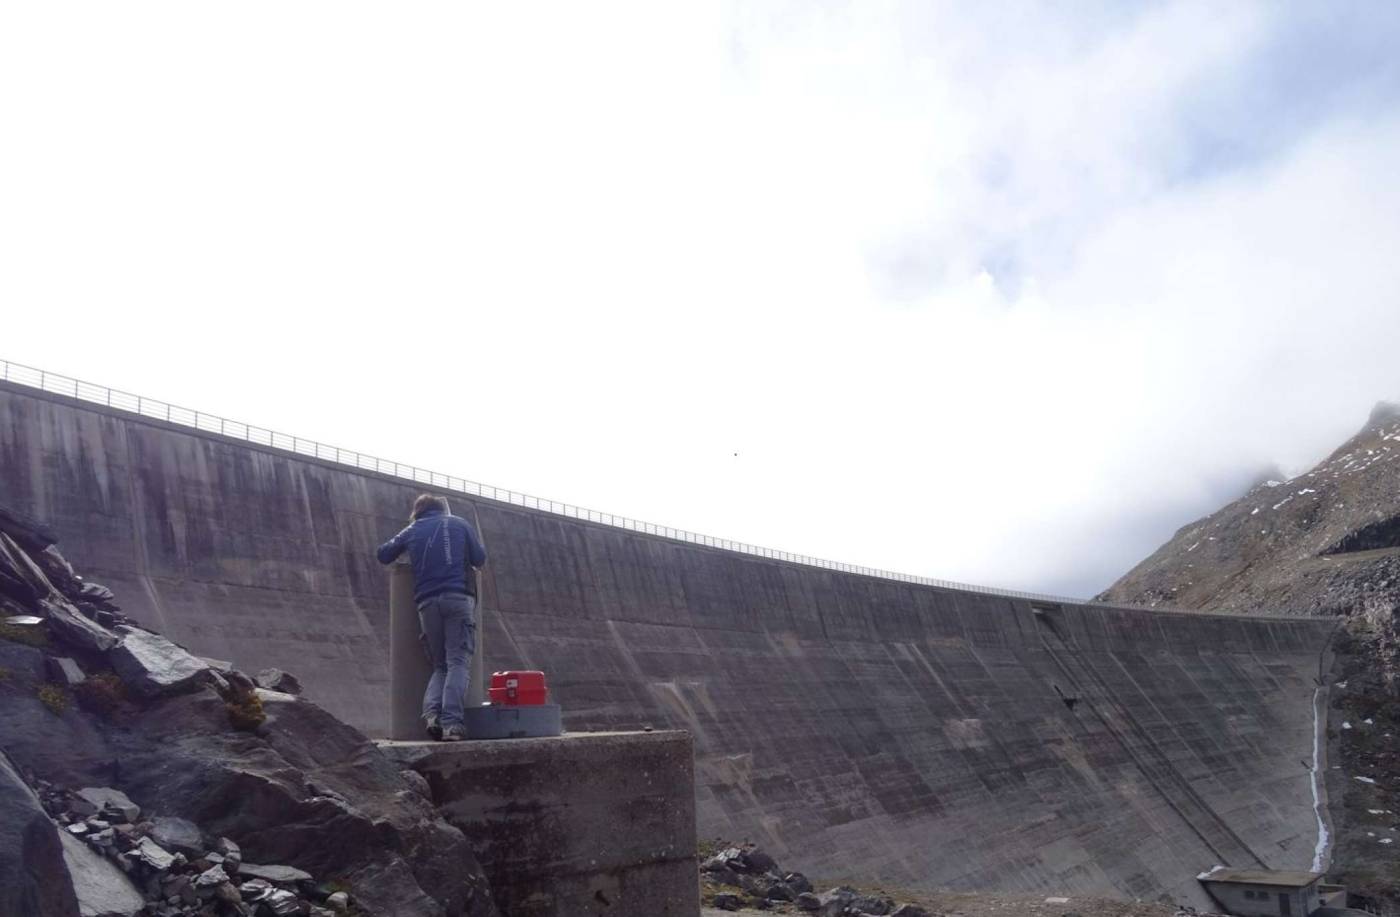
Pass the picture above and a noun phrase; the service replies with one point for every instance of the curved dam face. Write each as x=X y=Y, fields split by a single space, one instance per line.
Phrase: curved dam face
x=855 y=726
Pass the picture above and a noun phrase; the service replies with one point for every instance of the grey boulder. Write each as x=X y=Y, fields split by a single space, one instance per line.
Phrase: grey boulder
x=210 y=879
x=277 y=875
x=96 y=593
x=104 y=797
x=729 y=858
x=835 y=902
x=759 y=861
x=233 y=856
x=153 y=855
x=726 y=876
x=278 y=680
x=280 y=903
x=64 y=671
x=71 y=627
x=152 y=665
x=255 y=889
x=869 y=904
x=418 y=783
x=798 y=882
x=25 y=581
x=178 y=834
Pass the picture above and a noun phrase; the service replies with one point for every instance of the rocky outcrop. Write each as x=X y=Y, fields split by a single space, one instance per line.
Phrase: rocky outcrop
x=137 y=726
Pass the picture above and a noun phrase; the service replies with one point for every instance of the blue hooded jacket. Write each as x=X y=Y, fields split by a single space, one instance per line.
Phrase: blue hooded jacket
x=443 y=548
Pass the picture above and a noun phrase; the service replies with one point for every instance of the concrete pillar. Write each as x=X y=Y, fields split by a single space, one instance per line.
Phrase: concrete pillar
x=409 y=669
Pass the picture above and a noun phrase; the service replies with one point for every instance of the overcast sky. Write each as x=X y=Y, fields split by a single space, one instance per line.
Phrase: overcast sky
x=990 y=292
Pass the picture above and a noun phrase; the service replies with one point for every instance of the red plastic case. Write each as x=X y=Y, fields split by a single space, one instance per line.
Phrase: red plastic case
x=518 y=688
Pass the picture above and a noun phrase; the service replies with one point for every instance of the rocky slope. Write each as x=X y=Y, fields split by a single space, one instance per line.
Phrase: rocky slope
x=136 y=778
x=1325 y=542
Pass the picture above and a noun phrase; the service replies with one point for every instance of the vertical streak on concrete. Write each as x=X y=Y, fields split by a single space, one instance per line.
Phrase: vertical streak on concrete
x=1155 y=766
x=476 y=675
x=138 y=534
x=1174 y=773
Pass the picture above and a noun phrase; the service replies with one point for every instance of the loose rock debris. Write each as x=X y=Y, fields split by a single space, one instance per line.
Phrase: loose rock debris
x=744 y=878
x=167 y=867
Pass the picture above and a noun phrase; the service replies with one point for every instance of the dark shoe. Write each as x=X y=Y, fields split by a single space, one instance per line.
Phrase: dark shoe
x=434 y=728
x=454 y=734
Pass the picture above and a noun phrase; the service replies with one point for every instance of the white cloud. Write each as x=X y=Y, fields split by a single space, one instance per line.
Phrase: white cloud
x=994 y=296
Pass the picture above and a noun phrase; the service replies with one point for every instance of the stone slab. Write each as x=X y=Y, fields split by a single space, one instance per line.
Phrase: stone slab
x=103 y=890
x=65 y=671
x=151 y=664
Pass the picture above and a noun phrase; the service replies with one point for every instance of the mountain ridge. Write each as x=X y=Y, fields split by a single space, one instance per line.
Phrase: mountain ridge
x=1320 y=543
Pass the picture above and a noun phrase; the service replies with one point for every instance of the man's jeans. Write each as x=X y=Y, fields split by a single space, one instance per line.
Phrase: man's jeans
x=448 y=625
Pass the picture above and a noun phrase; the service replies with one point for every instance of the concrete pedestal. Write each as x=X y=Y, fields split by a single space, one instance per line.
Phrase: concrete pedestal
x=583 y=825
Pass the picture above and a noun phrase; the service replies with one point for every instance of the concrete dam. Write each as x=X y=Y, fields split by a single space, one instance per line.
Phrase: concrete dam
x=856 y=726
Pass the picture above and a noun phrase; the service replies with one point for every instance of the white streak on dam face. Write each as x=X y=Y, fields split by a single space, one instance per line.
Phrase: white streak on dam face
x=1323 y=849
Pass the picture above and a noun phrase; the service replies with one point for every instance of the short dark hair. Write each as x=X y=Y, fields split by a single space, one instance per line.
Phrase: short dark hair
x=426 y=502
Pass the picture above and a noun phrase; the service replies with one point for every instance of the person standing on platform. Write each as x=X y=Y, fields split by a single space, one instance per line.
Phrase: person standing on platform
x=445 y=551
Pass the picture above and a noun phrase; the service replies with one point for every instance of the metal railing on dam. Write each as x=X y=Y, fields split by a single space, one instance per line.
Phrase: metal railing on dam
x=156 y=409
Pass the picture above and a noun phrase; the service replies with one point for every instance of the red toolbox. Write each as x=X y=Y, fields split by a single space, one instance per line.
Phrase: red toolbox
x=518 y=688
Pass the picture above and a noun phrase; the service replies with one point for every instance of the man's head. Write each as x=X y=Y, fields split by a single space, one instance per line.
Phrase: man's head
x=426 y=503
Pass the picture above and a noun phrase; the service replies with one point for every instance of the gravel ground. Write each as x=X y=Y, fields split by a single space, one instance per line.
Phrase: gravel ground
x=963 y=904
x=728 y=870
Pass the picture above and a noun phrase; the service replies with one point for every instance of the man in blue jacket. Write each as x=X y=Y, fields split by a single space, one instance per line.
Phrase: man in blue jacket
x=444 y=550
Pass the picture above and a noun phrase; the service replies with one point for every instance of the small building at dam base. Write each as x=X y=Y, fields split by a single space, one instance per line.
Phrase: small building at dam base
x=1272 y=892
